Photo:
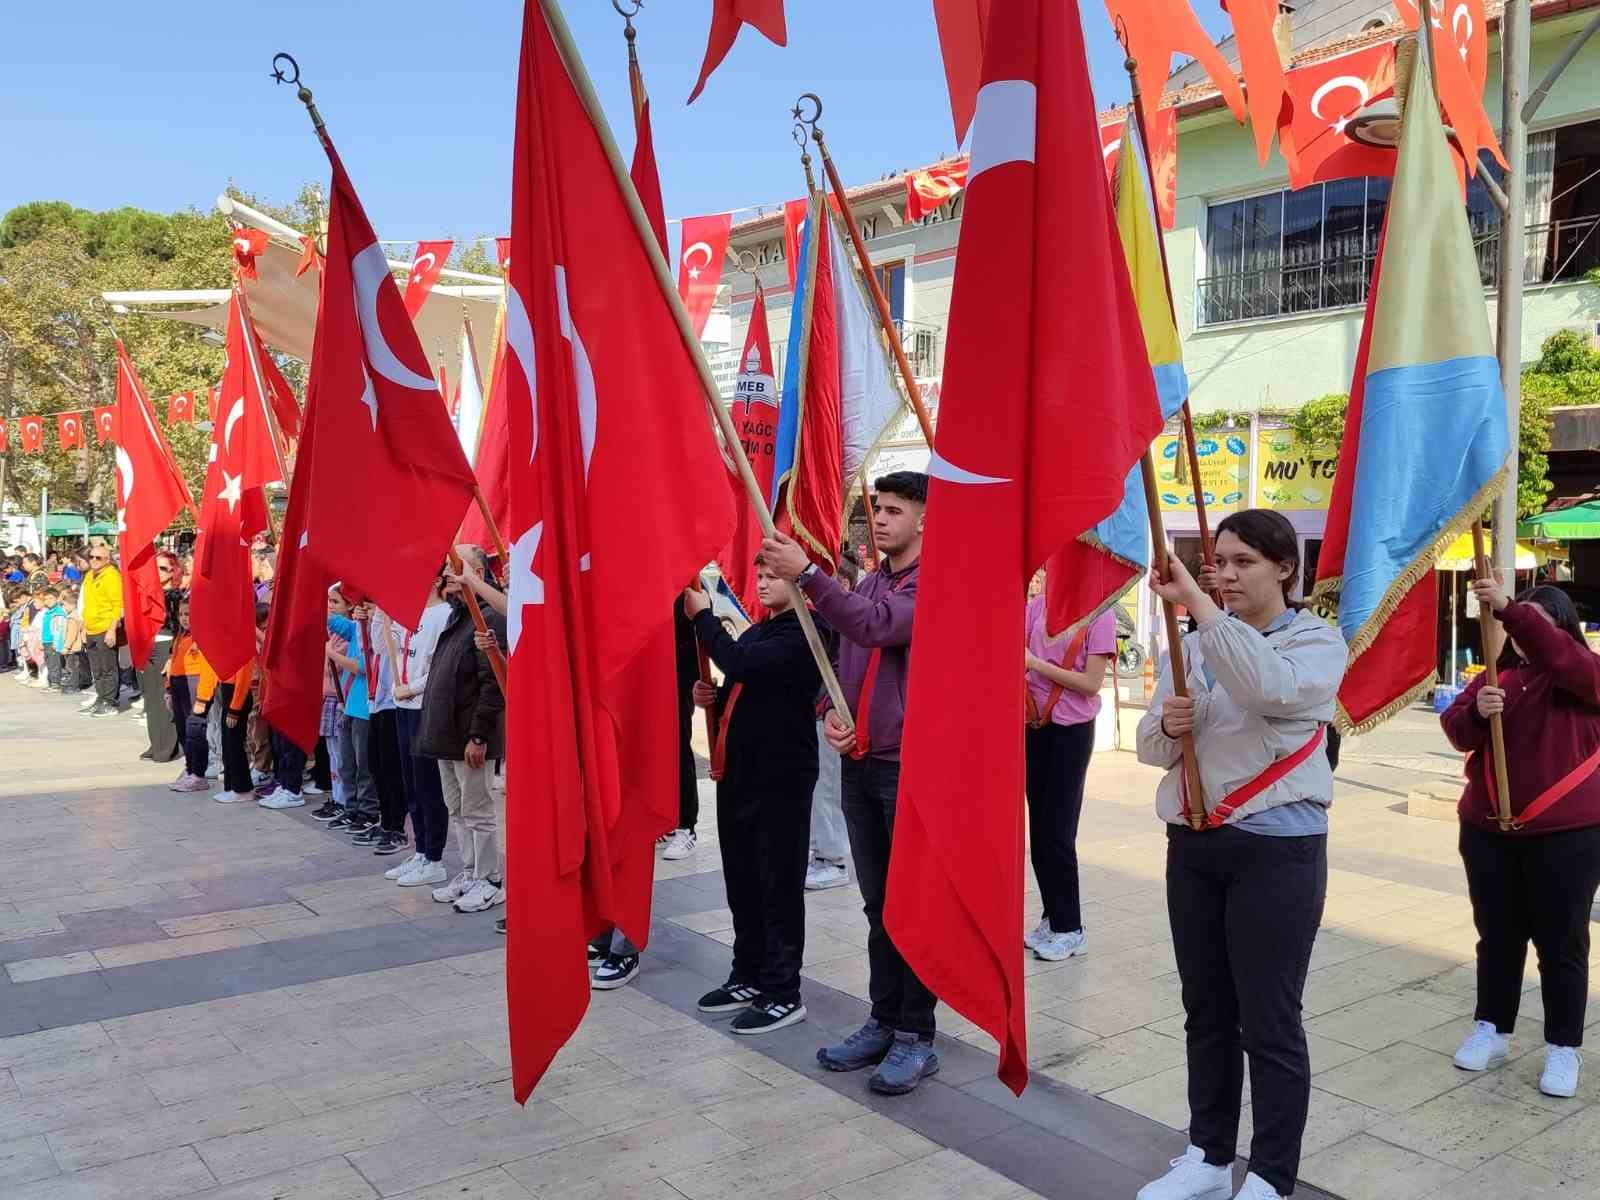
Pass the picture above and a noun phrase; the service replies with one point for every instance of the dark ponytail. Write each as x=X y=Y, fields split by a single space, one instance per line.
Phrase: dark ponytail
x=1270 y=535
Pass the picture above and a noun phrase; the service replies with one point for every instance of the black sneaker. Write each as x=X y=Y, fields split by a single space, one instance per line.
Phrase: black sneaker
x=327 y=812
x=389 y=842
x=617 y=970
x=500 y=927
x=342 y=822
x=730 y=997
x=106 y=710
x=363 y=832
x=766 y=1015
x=599 y=949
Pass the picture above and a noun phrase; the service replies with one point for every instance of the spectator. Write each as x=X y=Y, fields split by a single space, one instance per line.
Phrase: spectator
x=355 y=768
x=102 y=614
x=430 y=820
x=184 y=668
x=232 y=697
x=162 y=733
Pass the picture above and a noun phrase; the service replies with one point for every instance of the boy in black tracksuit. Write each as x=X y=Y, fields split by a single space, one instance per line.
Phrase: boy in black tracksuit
x=765 y=761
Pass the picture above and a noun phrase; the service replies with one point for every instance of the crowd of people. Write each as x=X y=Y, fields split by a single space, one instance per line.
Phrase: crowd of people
x=412 y=729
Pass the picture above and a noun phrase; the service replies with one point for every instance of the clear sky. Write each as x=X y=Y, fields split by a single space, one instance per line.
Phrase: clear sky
x=161 y=103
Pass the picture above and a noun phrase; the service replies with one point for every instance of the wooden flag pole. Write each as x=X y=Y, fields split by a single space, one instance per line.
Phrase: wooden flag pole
x=497 y=662
x=866 y=511
x=674 y=303
x=1136 y=107
x=478 y=497
x=1491 y=670
x=1180 y=683
x=879 y=300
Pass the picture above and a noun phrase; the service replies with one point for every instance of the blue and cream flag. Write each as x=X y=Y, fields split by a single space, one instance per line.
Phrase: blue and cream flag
x=1426 y=442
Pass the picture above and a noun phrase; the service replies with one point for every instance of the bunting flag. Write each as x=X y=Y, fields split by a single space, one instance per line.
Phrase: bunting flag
x=1089 y=575
x=1159 y=29
x=934 y=186
x=619 y=429
x=150 y=493
x=31 y=430
x=1027 y=369
x=839 y=391
x=384 y=426
x=105 y=424
x=426 y=266
x=233 y=509
x=248 y=245
x=1262 y=68
x=1460 y=65
x=727 y=16
x=310 y=257
x=1426 y=443
x=69 y=430
x=467 y=410
x=1324 y=98
x=705 y=245
x=180 y=407
x=4 y=444
x=755 y=416
x=961 y=30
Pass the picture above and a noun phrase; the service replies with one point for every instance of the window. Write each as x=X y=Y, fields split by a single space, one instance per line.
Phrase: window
x=892 y=279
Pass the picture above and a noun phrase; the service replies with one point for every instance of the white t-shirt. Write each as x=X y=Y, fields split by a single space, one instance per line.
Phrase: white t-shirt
x=416 y=651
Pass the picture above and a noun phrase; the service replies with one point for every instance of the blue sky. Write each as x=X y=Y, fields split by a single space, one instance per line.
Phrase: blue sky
x=161 y=104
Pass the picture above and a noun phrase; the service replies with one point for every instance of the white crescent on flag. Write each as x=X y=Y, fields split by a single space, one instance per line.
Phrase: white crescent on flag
x=368 y=270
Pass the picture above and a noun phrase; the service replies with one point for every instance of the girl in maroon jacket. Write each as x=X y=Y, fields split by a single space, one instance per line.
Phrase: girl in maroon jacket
x=1536 y=880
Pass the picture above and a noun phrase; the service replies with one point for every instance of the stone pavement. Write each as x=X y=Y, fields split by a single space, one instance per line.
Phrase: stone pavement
x=221 y=1001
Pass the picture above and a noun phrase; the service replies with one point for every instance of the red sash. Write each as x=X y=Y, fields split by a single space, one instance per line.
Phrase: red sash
x=1546 y=798
x=868 y=682
x=719 y=752
x=1037 y=718
x=1247 y=792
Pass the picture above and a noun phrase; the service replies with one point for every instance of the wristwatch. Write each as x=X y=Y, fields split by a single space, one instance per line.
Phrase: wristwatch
x=811 y=569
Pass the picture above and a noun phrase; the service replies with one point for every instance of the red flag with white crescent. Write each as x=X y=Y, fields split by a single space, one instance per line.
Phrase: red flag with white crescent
x=105 y=424
x=426 y=265
x=1460 y=31
x=705 y=244
x=794 y=216
x=180 y=408
x=69 y=430
x=248 y=245
x=933 y=186
x=1162 y=143
x=755 y=416
x=592 y=718
x=1327 y=96
x=31 y=431
x=4 y=444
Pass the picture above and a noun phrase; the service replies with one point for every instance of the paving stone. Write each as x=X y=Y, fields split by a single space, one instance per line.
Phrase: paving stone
x=1366 y=1168
x=330 y=1179
x=286 y=1143
x=432 y=1158
x=792 y=1169
x=168 y=1126
x=163 y=1175
x=25 y=1159
x=1396 y=1079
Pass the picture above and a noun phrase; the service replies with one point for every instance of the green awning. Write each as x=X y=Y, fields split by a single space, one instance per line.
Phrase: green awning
x=102 y=529
x=66 y=524
x=1578 y=523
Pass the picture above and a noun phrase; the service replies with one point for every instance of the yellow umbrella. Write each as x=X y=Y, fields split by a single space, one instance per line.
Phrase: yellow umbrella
x=1457 y=556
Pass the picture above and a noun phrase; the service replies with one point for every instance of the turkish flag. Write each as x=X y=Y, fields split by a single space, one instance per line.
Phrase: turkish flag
x=755 y=416
x=180 y=407
x=1022 y=379
x=620 y=429
x=1326 y=96
x=932 y=186
x=502 y=252
x=726 y=18
x=105 y=424
x=794 y=216
x=150 y=493
x=704 y=245
x=387 y=439
x=1262 y=69
x=279 y=394
x=1158 y=29
x=961 y=27
x=248 y=245
x=492 y=460
x=647 y=177
x=233 y=509
x=32 y=429
x=4 y=444
x=426 y=265
x=69 y=430
x=1460 y=66
x=1162 y=128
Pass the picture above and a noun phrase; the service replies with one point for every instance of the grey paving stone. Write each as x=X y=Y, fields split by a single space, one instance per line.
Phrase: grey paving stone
x=1052 y=1166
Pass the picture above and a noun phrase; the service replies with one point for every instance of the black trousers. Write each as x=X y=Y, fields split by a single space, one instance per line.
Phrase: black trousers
x=1540 y=888
x=688 y=791
x=52 y=667
x=288 y=762
x=430 y=820
x=1058 y=761
x=1245 y=910
x=322 y=768
x=235 y=751
x=158 y=723
x=196 y=751
x=383 y=757
x=766 y=845
x=103 y=669
x=900 y=1000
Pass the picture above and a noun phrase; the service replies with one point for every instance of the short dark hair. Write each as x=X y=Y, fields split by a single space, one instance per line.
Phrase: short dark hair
x=908 y=485
x=262 y=612
x=1562 y=611
x=1270 y=535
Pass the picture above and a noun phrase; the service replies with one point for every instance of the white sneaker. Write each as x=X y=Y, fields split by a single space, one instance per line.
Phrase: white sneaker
x=260 y=778
x=1560 y=1076
x=1191 y=1178
x=1483 y=1048
x=281 y=799
x=824 y=874
x=422 y=874
x=1257 y=1188
x=485 y=894
x=394 y=872
x=455 y=889
x=213 y=772
x=233 y=797
x=91 y=701
x=1059 y=947
x=680 y=843
x=181 y=783
x=311 y=789
x=1038 y=934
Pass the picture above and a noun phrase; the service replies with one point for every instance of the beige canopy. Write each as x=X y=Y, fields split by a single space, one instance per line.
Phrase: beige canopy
x=285 y=307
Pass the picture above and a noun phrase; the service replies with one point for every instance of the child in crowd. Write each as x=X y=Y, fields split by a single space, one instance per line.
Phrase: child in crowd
x=330 y=729
x=233 y=696
x=360 y=794
x=430 y=820
x=388 y=836
x=184 y=669
x=52 y=620
x=74 y=661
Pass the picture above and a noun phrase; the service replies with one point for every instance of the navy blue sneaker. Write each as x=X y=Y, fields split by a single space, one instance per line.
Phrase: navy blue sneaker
x=909 y=1062
x=863 y=1048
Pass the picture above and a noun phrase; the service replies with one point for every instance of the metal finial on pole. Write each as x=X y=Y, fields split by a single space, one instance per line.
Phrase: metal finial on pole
x=286 y=70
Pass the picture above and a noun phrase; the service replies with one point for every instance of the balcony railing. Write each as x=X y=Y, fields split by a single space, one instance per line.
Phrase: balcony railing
x=1557 y=251
x=921 y=344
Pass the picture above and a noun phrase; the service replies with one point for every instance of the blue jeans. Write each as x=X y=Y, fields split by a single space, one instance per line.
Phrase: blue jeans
x=361 y=793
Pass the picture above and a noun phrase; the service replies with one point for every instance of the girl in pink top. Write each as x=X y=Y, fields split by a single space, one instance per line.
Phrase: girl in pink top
x=1063 y=678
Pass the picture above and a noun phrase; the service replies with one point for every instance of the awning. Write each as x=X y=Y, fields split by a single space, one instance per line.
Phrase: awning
x=1458 y=555
x=66 y=524
x=285 y=306
x=1581 y=522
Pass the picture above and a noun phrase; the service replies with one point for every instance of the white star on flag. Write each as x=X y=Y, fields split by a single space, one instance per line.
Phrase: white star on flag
x=230 y=490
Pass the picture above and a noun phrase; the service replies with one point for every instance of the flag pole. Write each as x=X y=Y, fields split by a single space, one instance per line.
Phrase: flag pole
x=478 y=497
x=1491 y=671
x=866 y=511
x=669 y=294
x=497 y=662
x=1136 y=110
x=879 y=300
x=248 y=322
